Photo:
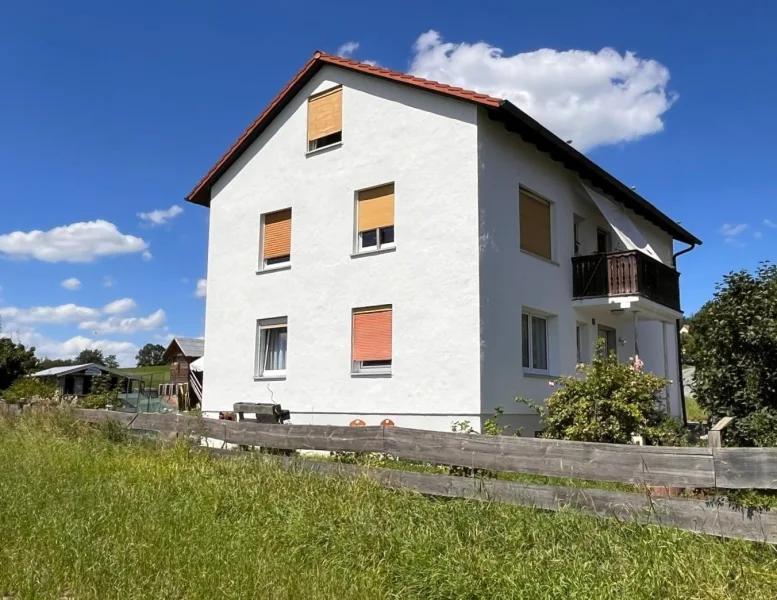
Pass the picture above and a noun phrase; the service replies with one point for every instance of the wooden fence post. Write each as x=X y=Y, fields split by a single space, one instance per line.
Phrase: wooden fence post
x=714 y=437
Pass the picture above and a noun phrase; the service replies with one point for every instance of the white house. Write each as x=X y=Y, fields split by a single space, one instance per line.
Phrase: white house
x=386 y=247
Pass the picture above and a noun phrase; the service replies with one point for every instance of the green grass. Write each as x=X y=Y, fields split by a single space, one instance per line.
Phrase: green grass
x=693 y=411
x=84 y=517
x=151 y=375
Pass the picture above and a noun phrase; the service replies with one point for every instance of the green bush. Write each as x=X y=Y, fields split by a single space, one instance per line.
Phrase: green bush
x=30 y=389
x=736 y=356
x=609 y=402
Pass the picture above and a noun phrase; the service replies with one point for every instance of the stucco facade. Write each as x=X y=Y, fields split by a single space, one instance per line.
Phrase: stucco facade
x=456 y=279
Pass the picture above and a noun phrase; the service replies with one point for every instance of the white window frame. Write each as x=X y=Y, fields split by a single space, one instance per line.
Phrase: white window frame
x=263 y=326
x=359 y=366
x=309 y=149
x=358 y=248
x=552 y=209
x=264 y=264
x=530 y=354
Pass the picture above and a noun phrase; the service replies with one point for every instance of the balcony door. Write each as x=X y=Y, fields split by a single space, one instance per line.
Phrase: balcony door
x=610 y=340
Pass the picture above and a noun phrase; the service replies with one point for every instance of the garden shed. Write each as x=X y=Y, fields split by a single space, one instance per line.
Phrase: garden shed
x=76 y=380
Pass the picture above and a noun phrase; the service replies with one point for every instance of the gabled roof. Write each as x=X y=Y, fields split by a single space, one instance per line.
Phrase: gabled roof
x=189 y=347
x=70 y=369
x=513 y=118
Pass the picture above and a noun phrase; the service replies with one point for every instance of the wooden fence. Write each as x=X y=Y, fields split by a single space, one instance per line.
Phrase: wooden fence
x=709 y=468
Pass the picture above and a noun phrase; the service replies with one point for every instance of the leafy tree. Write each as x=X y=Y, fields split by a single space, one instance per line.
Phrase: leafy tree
x=150 y=355
x=736 y=355
x=90 y=356
x=15 y=361
x=610 y=402
x=50 y=363
x=111 y=362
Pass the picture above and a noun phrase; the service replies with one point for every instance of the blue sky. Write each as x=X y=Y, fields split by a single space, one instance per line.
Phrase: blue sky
x=109 y=111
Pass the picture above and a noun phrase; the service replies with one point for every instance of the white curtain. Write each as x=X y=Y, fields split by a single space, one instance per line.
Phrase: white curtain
x=275 y=349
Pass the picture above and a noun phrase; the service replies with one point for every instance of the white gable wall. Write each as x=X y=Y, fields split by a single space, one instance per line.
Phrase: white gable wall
x=426 y=144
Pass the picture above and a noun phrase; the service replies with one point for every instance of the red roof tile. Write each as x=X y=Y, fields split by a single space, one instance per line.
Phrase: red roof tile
x=201 y=192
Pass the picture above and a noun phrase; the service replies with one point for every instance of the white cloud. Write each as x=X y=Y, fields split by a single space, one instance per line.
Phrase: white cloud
x=47 y=347
x=348 y=49
x=108 y=281
x=71 y=284
x=770 y=223
x=125 y=325
x=78 y=242
x=592 y=98
x=65 y=313
x=731 y=231
x=758 y=235
x=147 y=256
x=160 y=217
x=202 y=288
x=118 y=307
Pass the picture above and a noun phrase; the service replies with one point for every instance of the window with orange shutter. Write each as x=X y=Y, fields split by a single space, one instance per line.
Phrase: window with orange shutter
x=325 y=119
x=276 y=239
x=535 y=224
x=371 y=345
x=375 y=218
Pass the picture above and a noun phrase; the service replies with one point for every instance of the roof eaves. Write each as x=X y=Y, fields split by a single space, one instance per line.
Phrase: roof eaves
x=573 y=159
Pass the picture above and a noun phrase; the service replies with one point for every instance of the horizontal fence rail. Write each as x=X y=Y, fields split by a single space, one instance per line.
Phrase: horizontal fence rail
x=680 y=467
x=732 y=468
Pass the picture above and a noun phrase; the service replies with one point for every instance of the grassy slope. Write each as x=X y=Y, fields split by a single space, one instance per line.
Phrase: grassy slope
x=155 y=375
x=102 y=520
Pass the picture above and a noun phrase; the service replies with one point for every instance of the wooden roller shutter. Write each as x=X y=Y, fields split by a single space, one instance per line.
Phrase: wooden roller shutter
x=325 y=114
x=535 y=224
x=372 y=334
x=277 y=234
x=376 y=207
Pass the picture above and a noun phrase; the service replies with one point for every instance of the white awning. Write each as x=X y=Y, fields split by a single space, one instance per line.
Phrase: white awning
x=621 y=224
x=198 y=365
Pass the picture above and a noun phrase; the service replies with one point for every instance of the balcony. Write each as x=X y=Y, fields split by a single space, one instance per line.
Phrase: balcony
x=630 y=273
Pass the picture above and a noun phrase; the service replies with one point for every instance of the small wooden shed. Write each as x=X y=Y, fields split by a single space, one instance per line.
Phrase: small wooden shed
x=180 y=354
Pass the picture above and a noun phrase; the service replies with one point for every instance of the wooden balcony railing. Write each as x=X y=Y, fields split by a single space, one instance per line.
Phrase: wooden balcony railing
x=629 y=273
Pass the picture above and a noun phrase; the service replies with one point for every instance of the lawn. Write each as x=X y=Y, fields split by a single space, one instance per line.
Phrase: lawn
x=152 y=376
x=89 y=514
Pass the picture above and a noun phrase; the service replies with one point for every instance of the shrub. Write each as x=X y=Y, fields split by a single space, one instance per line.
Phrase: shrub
x=610 y=402
x=30 y=389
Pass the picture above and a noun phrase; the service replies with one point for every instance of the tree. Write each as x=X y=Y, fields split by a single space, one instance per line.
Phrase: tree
x=90 y=356
x=15 y=361
x=736 y=355
x=688 y=340
x=49 y=363
x=111 y=362
x=150 y=355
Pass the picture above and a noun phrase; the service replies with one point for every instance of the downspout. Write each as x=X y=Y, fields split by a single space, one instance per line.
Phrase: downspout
x=678 y=326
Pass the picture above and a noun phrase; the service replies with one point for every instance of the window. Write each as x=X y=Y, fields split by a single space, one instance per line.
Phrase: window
x=603 y=241
x=375 y=218
x=276 y=239
x=371 y=342
x=535 y=224
x=272 y=336
x=325 y=119
x=534 y=331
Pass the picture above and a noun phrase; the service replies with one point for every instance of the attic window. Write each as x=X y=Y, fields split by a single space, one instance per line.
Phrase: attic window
x=325 y=119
